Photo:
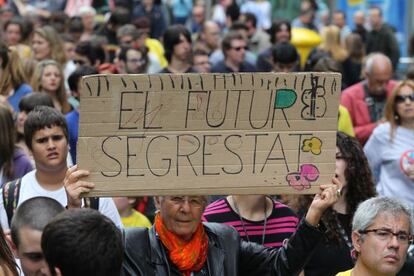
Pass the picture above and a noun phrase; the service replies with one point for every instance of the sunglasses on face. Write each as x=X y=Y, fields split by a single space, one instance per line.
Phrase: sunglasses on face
x=239 y=48
x=403 y=98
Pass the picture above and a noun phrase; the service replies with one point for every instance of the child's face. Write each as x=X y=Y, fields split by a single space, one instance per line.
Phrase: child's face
x=122 y=203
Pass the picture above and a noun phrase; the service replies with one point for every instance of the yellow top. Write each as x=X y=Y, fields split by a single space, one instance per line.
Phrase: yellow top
x=136 y=219
x=345 y=122
x=345 y=273
x=155 y=47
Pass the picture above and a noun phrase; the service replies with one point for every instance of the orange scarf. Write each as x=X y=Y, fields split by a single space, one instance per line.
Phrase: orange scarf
x=187 y=256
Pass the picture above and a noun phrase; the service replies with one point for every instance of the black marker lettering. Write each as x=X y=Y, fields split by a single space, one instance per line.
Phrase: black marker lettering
x=111 y=157
x=230 y=150
x=145 y=115
x=255 y=147
x=163 y=159
x=129 y=155
x=188 y=139
x=205 y=137
x=188 y=105
x=225 y=111
x=121 y=109
x=276 y=158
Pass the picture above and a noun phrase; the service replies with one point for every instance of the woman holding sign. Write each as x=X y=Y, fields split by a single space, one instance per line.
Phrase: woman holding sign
x=390 y=149
x=334 y=254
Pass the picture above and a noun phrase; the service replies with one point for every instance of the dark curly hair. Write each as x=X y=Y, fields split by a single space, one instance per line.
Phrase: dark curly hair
x=360 y=184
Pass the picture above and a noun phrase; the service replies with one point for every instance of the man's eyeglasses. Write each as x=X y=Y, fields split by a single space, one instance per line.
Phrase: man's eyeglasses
x=403 y=98
x=386 y=235
x=240 y=48
x=139 y=61
x=193 y=201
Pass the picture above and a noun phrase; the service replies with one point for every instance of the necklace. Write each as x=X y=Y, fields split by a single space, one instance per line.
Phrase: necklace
x=242 y=220
x=344 y=235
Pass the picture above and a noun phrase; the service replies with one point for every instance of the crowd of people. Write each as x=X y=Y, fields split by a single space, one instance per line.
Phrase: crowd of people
x=360 y=224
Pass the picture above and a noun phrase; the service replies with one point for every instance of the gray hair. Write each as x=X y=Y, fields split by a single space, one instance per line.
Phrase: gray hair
x=128 y=29
x=372 y=58
x=368 y=210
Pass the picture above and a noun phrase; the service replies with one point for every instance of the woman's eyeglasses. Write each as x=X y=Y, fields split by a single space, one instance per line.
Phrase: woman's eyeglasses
x=403 y=98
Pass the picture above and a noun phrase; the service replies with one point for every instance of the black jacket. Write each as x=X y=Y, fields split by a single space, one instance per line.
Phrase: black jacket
x=227 y=253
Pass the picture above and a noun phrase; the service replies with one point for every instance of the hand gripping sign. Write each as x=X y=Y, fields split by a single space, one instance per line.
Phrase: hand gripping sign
x=262 y=133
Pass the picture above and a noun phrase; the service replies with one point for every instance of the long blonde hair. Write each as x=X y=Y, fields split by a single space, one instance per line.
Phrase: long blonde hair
x=331 y=43
x=55 y=43
x=12 y=75
x=36 y=82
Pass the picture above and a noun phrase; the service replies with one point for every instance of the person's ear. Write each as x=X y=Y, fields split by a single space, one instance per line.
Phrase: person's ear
x=57 y=272
x=356 y=241
x=12 y=245
x=157 y=201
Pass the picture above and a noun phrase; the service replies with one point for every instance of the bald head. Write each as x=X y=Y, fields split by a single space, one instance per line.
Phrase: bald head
x=211 y=34
x=198 y=13
x=359 y=18
x=378 y=70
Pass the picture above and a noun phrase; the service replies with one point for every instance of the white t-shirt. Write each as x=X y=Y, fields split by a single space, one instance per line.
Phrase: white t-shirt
x=385 y=158
x=31 y=188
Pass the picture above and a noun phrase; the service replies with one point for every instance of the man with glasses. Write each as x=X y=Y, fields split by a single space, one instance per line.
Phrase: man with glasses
x=201 y=62
x=382 y=231
x=133 y=61
x=234 y=48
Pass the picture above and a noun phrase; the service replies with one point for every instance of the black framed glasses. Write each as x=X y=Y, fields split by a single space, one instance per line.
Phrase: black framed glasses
x=385 y=234
x=139 y=61
x=403 y=98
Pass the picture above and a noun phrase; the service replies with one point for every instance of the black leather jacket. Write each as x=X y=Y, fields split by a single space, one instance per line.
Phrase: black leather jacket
x=227 y=253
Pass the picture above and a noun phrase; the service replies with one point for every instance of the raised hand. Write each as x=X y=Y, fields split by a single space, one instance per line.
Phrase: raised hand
x=327 y=197
x=75 y=186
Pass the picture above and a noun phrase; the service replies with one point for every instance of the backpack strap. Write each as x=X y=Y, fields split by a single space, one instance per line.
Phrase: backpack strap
x=11 y=193
x=92 y=202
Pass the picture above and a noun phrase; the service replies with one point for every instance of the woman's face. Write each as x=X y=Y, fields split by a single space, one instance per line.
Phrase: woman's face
x=404 y=104
x=340 y=167
x=41 y=48
x=13 y=34
x=51 y=78
x=283 y=35
x=69 y=50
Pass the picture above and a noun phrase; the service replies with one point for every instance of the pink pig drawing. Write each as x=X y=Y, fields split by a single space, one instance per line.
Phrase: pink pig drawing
x=301 y=180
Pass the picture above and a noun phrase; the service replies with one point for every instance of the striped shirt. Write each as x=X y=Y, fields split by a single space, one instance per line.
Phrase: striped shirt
x=281 y=224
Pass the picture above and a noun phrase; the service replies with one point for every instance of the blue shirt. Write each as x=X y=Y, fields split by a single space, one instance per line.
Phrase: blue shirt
x=18 y=94
x=72 y=119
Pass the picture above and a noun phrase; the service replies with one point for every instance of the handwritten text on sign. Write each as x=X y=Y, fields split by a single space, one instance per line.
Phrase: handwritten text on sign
x=261 y=133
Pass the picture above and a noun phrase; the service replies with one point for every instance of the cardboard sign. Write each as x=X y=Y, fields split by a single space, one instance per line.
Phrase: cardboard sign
x=205 y=134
